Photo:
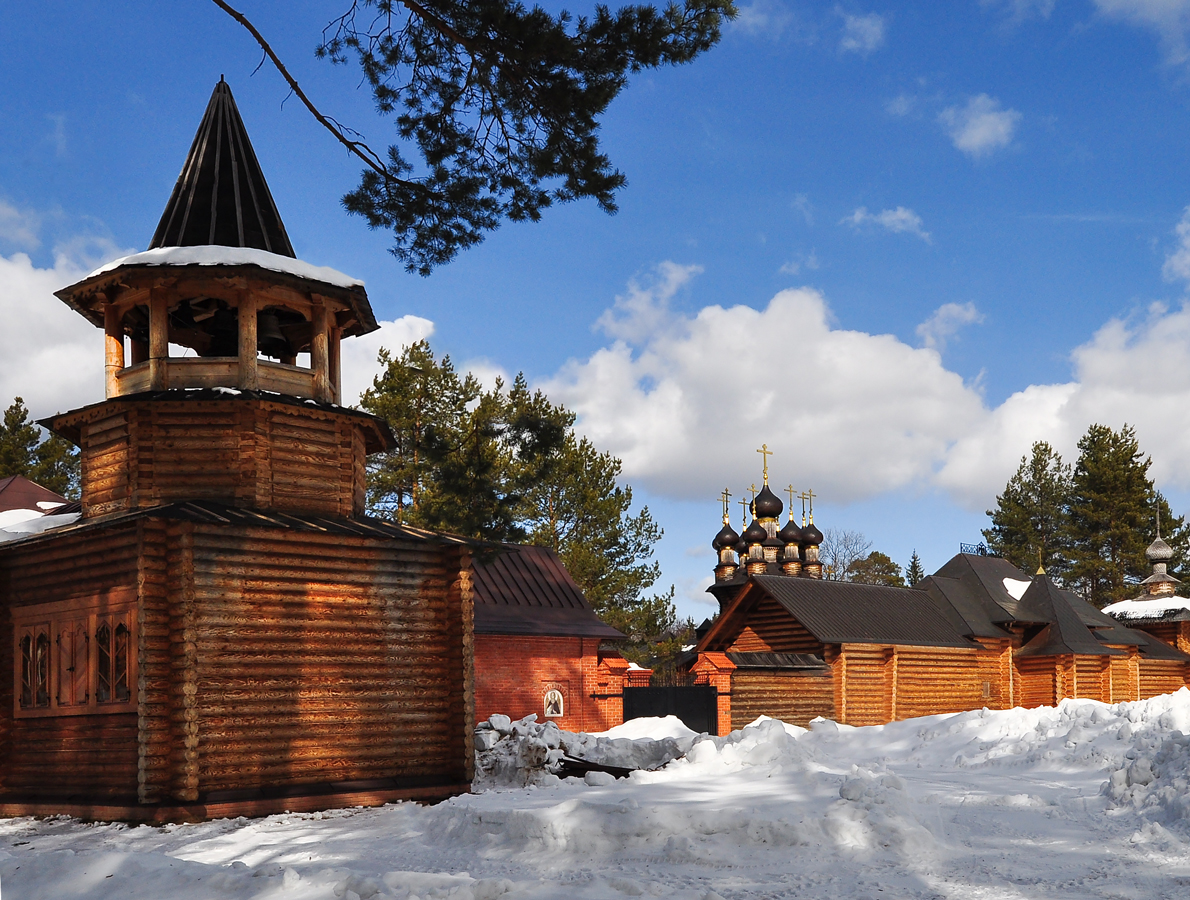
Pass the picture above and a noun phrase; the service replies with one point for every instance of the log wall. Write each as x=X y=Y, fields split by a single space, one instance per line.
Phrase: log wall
x=1124 y=672
x=934 y=680
x=305 y=658
x=1158 y=676
x=789 y=695
x=860 y=695
x=63 y=756
x=1037 y=679
x=242 y=451
x=771 y=627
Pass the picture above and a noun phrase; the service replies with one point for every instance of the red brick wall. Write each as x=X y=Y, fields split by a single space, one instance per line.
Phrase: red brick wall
x=513 y=673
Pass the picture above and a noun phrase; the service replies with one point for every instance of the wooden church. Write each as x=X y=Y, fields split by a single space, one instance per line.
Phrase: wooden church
x=978 y=633
x=222 y=631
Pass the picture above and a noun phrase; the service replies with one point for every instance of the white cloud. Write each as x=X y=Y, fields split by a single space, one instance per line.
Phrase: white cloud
x=19 y=227
x=1177 y=264
x=803 y=205
x=49 y=354
x=358 y=360
x=646 y=307
x=901 y=105
x=763 y=18
x=1170 y=19
x=981 y=127
x=945 y=322
x=861 y=34
x=802 y=260
x=899 y=221
x=857 y=415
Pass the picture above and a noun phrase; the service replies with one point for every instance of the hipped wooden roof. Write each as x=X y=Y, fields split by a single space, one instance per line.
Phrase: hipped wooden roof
x=221 y=196
x=526 y=590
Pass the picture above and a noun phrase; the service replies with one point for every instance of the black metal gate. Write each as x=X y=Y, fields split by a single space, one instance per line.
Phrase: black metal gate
x=697 y=705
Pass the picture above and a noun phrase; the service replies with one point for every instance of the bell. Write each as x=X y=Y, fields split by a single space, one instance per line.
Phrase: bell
x=223 y=330
x=270 y=340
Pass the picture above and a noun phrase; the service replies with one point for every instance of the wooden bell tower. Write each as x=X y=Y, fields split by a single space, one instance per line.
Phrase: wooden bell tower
x=222 y=354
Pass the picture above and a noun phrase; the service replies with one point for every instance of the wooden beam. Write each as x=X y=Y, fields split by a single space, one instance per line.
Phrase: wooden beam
x=249 y=378
x=320 y=355
x=113 y=329
x=158 y=340
x=336 y=374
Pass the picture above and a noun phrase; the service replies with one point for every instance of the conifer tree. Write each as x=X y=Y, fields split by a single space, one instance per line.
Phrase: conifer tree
x=914 y=571
x=1030 y=524
x=53 y=463
x=1113 y=508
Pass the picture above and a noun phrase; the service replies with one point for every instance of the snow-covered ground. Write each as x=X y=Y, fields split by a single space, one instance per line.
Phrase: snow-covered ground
x=1082 y=801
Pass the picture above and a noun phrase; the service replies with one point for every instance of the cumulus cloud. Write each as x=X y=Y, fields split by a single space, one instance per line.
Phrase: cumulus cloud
x=19 y=227
x=358 y=361
x=899 y=221
x=981 y=127
x=945 y=322
x=1170 y=19
x=645 y=308
x=861 y=34
x=1177 y=264
x=768 y=18
x=857 y=415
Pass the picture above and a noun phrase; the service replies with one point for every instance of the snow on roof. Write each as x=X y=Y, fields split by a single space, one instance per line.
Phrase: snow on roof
x=1156 y=608
x=35 y=523
x=1016 y=587
x=214 y=255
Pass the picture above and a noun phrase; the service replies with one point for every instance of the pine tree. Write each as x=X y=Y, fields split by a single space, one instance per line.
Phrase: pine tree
x=876 y=568
x=1113 y=506
x=1030 y=522
x=914 y=571
x=52 y=463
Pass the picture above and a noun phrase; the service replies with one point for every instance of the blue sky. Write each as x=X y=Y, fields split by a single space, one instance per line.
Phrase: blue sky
x=897 y=242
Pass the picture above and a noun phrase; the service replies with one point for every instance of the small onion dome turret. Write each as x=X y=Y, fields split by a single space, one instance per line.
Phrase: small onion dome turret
x=755 y=533
x=741 y=548
x=1159 y=551
x=811 y=536
x=790 y=534
x=726 y=538
x=767 y=505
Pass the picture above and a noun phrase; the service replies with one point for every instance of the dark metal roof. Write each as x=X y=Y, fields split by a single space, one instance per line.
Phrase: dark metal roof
x=221 y=196
x=777 y=660
x=18 y=492
x=1066 y=634
x=209 y=512
x=963 y=607
x=526 y=590
x=837 y=612
x=1155 y=648
x=984 y=577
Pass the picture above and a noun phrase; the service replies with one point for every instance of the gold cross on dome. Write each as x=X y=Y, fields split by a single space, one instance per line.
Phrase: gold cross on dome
x=766 y=453
x=744 y=513
x=725 y=496
x=789 y=491
x=809 y=495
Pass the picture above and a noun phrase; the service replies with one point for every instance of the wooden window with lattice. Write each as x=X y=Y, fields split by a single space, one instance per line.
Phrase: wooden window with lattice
x=76 y=657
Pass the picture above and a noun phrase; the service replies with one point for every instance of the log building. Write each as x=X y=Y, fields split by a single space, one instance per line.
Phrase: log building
x=978 y=633
x=1158 y=610
x=222 y=631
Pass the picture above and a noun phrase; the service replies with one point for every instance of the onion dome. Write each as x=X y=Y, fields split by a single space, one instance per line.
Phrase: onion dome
x=741 y=548
x=790 y=534
x=1159 y=551
x=755 y=533
x=725 y=538
x=767 y=505
x=811 y=535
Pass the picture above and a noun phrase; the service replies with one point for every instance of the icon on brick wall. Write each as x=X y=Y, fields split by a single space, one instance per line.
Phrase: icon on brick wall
x=553 y=704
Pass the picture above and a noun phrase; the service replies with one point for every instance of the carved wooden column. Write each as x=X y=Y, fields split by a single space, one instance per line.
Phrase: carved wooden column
x=113 y=329
x=249 y=373
x=158 y=339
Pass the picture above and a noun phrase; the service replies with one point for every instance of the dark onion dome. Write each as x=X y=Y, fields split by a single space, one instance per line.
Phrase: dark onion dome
x=725 y=538
x=774 y=542
x=767 y=505
x=790 y=534
x=755 y=533
x=1159 y=551
x=811 y=536
x=741 y=548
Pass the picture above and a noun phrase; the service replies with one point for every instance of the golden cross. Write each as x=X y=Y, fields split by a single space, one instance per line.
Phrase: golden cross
x=789 y=491
x=725 y=496
x=752 y=507
x=802 y=497
x=809 y=495
x=766 y=453
x=744 y=513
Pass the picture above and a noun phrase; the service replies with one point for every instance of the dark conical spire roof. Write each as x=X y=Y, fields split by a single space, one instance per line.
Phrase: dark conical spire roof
x=221 y=196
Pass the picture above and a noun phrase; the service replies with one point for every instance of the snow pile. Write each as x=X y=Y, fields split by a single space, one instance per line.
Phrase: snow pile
x=516 y=754
x=34 y=524
x=231 y=256
x=1156 y=608
x=1153 y=777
